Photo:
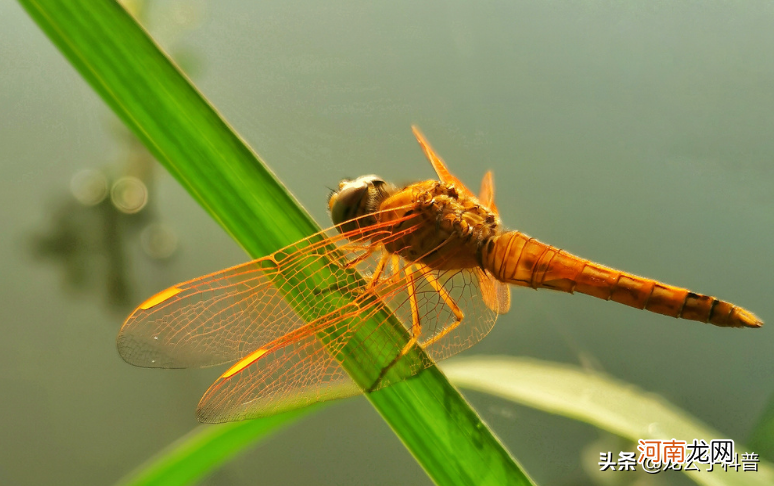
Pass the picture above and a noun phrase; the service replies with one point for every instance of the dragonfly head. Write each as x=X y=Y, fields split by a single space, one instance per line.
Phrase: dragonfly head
x=356 y=198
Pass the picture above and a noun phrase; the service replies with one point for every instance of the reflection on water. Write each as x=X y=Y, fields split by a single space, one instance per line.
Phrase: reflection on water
x=129 y=195
x=89 y=232
x=90 y=187
x=109 y=210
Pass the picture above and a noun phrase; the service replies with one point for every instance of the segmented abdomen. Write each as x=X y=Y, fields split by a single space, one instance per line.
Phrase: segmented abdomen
x=517 y=259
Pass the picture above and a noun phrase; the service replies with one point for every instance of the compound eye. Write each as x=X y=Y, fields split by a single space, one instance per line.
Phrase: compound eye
x=345 y=204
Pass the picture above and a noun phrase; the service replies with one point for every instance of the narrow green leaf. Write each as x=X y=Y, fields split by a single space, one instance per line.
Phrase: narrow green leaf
x=204 y=449
x=173 y=120
x=600 y=400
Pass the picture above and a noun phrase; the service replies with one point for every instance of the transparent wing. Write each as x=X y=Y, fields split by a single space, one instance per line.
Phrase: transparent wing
x=295 y=375
x=440 y=337
x=224 y=316
x=503 y=296
x=487 y=193
x=298 y=369
x=438 y=164
x=496 y=295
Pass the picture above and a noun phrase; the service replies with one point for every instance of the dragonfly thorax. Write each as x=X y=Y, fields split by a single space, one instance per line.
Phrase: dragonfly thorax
x=449 y=228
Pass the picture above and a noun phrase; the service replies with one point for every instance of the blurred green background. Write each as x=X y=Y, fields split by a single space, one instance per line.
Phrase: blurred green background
x=638 y=135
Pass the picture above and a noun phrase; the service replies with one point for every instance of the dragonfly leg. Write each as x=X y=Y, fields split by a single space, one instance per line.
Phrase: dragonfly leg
x=378 y=270
x=448 y=300
x=416 y=325
x=351 y=264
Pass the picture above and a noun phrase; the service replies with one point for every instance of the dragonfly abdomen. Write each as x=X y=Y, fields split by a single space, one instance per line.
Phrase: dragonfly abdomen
x=517 y=259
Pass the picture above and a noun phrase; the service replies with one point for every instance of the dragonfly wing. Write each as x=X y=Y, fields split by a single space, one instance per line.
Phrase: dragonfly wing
x=301 y=368
x=487 y=194
x=224 y=316
x=440 y=338
x=503 y=296
x=208 y=321
x=292 y=376
x=439 y=165
x=495 y=294
x=438 y=294
x=297 y=370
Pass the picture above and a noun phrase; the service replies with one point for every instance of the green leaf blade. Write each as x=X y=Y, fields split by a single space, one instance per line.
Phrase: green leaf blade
x=599 y=400
x=204 y=449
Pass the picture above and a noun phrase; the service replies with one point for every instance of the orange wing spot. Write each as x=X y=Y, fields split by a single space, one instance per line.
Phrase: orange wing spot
x=160 y=297
x=244 y=363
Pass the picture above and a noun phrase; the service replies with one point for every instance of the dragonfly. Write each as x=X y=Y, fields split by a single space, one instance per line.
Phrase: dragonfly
x=432 y=256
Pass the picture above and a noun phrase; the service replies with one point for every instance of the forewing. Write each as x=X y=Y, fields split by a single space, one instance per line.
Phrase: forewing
x=215 y=319
x=438 y=164
x=487 y=193
x=224 y=316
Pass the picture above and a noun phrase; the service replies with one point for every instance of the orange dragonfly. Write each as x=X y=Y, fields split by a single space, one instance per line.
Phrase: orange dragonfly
x=432 y=254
